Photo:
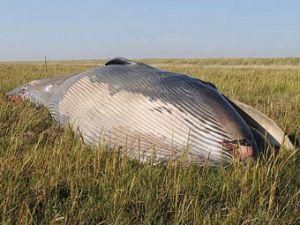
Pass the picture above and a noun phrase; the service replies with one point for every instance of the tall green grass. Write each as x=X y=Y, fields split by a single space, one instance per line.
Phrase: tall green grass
x=47 y=176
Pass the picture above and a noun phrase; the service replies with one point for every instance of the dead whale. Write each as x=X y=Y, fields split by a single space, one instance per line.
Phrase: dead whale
x=150 y=112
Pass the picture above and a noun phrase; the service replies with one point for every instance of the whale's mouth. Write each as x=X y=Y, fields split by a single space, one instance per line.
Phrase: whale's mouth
x=240 y=148
x=15 y=98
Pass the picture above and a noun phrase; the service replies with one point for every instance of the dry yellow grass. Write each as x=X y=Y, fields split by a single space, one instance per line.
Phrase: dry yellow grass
x=48 y=177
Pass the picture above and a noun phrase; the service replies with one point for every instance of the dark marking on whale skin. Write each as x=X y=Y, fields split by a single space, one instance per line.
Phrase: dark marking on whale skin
x=189 y=122
x=158 y=110
x=162 y=109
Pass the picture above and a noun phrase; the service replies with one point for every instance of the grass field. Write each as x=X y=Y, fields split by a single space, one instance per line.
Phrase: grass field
x=47 y=176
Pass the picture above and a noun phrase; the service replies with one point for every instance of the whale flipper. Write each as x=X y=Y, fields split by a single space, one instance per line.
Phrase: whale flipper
x=264 y=125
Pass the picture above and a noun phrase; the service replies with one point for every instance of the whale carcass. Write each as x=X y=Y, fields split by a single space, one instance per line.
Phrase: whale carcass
x=146 y=111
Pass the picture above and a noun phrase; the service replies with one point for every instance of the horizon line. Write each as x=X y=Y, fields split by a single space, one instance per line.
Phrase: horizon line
x=142 y=58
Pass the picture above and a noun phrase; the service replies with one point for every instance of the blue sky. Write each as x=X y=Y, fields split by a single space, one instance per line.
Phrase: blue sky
x=30 y=30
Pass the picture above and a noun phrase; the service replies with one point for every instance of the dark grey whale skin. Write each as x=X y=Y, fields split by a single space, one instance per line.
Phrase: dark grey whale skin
x=157 y=111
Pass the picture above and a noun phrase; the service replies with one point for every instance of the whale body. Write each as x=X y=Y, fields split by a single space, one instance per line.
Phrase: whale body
x=149 y=112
